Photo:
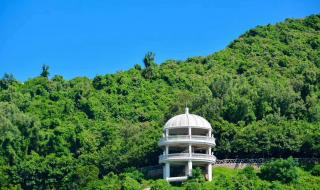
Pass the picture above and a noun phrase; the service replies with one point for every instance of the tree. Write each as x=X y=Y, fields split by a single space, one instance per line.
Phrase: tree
x=6 y=81
x=85 y=174
x=310 y=146
x=45 y=71
x=149 y=60
x=150 y=64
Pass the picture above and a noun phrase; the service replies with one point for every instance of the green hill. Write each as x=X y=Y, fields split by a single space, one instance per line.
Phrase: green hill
x=261 y=94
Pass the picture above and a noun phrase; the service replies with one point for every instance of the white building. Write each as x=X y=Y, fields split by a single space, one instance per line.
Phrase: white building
x=187 y=143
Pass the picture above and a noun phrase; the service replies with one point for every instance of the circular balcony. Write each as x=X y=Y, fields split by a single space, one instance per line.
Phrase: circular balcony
x=186 y=139
x=186 y=157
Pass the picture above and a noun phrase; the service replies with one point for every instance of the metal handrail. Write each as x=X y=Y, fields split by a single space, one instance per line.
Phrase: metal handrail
x=260 y=160
x=172 y=137
x=197 y=155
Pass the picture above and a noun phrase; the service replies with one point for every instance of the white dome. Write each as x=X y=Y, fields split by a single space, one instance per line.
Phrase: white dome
x=185 y=120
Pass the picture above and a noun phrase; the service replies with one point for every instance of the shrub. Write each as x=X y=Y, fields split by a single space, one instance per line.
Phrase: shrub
x=316 y=170
x=249 y=172
x=193 y=185
x=160 y=184
x=130 y=184
x=284 y=170
x=197 y=175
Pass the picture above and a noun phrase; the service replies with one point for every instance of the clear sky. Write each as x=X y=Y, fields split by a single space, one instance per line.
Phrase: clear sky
x=91 y=37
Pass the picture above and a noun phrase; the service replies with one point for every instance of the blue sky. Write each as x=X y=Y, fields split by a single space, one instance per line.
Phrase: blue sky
x=87 y=38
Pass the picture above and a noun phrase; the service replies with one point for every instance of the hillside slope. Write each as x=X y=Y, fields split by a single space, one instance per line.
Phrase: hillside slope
x=261 y=95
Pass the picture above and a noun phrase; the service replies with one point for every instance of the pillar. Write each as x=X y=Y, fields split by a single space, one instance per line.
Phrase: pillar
x=189 y=168
x=209 y=133
x=166 y=172
x=190 y=150
x=186 y=170
x=167 y=149
x=209 y=169
x=167 y=133
x=189 y=132
x=209 y=150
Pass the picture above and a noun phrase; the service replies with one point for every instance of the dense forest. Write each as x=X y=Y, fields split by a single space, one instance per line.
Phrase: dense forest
x=261 y=94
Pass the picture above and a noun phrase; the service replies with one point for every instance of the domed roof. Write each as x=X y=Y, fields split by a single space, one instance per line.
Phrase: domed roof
x=186 y=119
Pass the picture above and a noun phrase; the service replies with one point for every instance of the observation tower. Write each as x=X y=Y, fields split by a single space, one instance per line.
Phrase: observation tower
x=187 y=143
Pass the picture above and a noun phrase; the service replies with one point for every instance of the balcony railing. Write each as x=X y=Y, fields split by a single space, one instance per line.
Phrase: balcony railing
x=187 y=156
x=183 y=138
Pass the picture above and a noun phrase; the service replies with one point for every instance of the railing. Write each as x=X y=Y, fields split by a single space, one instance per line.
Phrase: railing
x=187 y=137
x=239 y=161
x=258 y=162
x=187 y=156
x=261 y=160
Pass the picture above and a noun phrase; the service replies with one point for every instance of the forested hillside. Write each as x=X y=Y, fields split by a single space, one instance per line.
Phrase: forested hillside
x=261 y=94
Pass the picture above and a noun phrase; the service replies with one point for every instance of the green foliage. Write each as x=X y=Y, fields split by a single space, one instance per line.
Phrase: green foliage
x=149 y=60
x=249 y=172
x=193 y=185
x=134 y=174
x=45 y=71
x=160 y=184
x=197 y=175
x=130 y=184
x=280 y=170
x=261 y=94
x=195 y=180
x=316 y=170
x=85 y=174
x=150 y=71
x=247 y=179
x=7 y=80
x=110 y=181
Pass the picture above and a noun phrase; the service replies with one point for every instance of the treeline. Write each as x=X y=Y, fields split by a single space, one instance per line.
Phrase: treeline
x=261 y=94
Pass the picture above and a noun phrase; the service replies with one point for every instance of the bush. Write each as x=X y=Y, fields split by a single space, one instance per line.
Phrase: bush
x=197 y=175
x=193 y=185
x=316 y=170
x=249 y=172
x=134 y=174
x=284 y=170
x=130 y=184
x=160 y=184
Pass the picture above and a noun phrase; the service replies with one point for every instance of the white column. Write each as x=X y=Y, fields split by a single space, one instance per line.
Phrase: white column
x=186 y=169
x=167 y=170
x=189 y=168
x=209 y=133
x=167 y=133
x=189 y=132
x=190 y=150
x=209 y=169
x=167 y=149
x=209 y=150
